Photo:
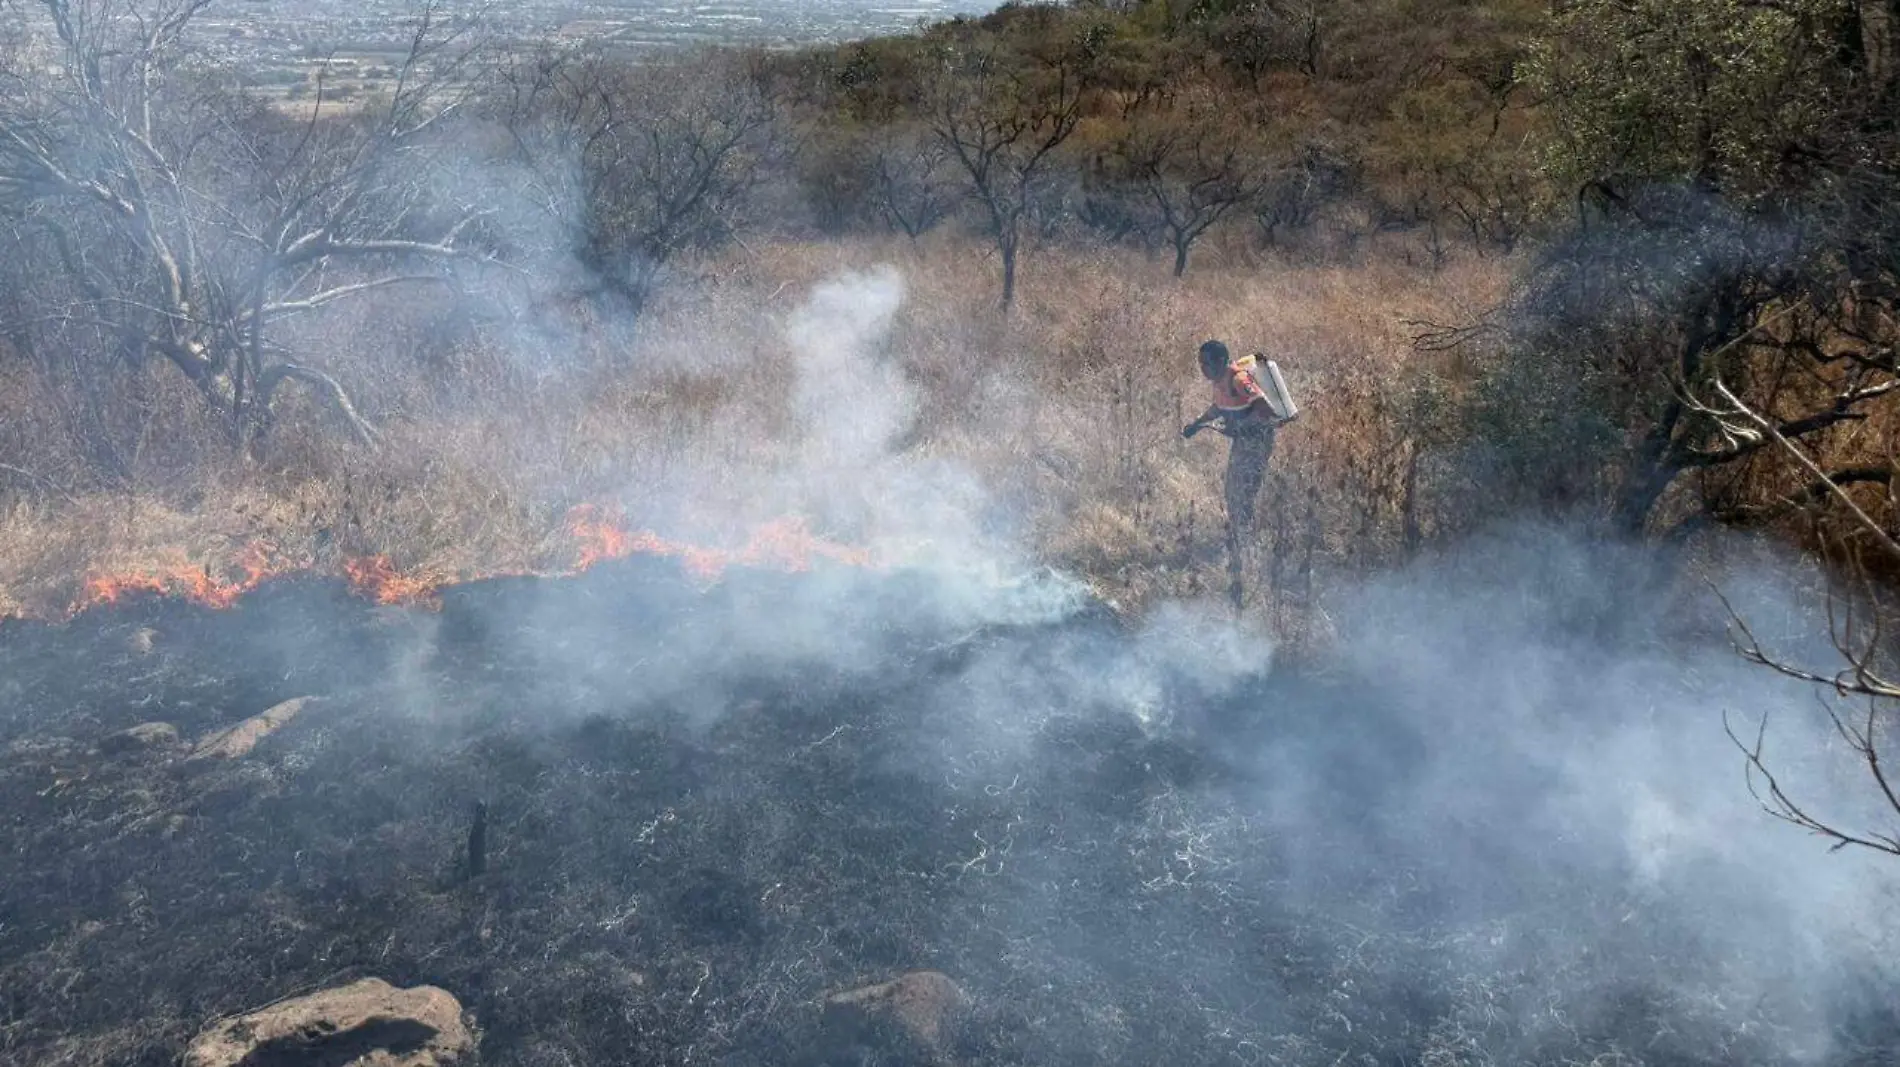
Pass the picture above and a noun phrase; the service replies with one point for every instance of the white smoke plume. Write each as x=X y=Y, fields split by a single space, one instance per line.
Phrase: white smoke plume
x=1504 y=799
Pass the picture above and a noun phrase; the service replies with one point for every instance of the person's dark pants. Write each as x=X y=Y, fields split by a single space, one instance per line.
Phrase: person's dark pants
x=1246 y=472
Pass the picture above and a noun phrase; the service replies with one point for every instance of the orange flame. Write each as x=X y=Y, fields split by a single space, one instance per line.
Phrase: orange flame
x=783 y=544
x=599 y=534
x=196 y=584
x=376 y=578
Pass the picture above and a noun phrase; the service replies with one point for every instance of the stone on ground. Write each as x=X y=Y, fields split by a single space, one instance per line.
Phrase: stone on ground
x=144 y=736
x=921 y=1002
x=369 y=1023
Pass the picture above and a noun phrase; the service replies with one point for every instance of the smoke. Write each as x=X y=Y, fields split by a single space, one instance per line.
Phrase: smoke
x=1498 y=821
x=1554 y=761
x=1502 y=818
x=852 y=404
x=939 y=565
x=853 y=467
x=1509 y=805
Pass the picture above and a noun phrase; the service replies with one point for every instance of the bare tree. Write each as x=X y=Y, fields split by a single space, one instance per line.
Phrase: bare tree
x=1862 y=690
x=182 y=218
x=1292 y=192
x=640 y=163
x=1192 y=168
x=912 y=180
x=1003 y=117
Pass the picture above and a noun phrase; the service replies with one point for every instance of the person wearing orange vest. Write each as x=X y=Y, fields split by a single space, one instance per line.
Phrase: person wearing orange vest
x=1248 y=419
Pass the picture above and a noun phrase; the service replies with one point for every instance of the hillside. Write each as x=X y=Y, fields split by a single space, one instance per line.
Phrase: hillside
x=696 y=557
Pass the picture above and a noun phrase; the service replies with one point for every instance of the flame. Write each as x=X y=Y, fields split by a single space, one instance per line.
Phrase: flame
x=599 y=534
x=194 y=583
x=376 y=578
x=782 y=544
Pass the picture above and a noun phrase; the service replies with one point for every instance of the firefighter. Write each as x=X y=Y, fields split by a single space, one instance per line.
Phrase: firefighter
x=1248 y=419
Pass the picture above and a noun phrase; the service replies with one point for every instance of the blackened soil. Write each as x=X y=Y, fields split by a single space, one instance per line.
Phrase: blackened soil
x=694 y=829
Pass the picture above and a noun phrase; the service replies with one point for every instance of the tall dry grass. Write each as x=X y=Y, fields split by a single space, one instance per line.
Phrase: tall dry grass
x=1067 y=409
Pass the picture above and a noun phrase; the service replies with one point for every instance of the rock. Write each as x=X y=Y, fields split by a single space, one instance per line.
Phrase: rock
x=365 y=1024
x=240 y=739
x=921 y=1002
x=144 y=736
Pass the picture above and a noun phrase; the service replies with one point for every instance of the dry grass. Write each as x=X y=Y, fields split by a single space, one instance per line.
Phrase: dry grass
x=1067 y=410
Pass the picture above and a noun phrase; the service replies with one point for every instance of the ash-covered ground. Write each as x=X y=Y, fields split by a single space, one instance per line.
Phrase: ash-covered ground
x=1501 y=824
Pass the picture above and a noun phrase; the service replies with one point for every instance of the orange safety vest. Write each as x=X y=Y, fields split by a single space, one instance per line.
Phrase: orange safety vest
x=1237 y=390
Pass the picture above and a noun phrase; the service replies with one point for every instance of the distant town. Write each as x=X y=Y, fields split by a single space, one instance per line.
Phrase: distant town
x=281 y=44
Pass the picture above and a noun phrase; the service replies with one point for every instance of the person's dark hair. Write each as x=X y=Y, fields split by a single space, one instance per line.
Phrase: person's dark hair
x=1213 y=358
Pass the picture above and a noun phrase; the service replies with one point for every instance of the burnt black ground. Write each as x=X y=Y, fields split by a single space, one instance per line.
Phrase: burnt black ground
x=692 y=837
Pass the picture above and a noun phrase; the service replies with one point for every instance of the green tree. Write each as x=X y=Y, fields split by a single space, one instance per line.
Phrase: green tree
x=1738 y=224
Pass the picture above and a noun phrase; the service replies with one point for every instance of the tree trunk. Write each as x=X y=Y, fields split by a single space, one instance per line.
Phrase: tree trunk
x=1850 y=40
x=1006 y=244
x=1414 y=533
x=1712 y=323
x=1649 y=477
x=1181 y=246
x=1885 y=56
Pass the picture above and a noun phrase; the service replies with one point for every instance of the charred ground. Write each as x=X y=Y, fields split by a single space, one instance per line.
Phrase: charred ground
x=691 y=837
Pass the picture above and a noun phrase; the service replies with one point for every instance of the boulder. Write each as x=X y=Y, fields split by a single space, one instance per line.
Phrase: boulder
x=365 y=1024
x=921 y=1002
x=144 y=736
x=235 y=741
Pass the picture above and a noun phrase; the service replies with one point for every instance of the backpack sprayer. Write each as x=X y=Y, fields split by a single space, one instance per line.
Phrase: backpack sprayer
x=1279 y=398
x=1272 y=383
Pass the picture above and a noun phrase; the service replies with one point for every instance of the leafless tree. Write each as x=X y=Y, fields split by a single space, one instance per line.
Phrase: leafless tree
x=167 y=213
x=1192 y=168
x=640 y=163
x=1861 y=692
x=1293 y=191
x=912 y=180
x=1003 y=119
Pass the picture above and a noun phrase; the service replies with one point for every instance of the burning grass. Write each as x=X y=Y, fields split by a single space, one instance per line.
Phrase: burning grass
x=1067 y=411
x=595 y=534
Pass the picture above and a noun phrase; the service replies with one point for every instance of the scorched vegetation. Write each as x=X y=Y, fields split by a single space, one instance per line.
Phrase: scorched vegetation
x=661 y=545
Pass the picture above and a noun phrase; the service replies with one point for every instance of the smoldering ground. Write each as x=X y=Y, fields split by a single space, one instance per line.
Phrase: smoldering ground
x=1504 y=826
x=1499 y=823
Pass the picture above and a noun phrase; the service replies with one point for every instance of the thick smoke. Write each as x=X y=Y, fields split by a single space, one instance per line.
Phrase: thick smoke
x=1540 y=746
x=1499 y=821
x=940 y=559
x=1509 y=795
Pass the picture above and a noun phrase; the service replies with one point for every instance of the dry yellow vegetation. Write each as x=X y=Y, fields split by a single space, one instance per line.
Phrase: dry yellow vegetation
x=1066 y=411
